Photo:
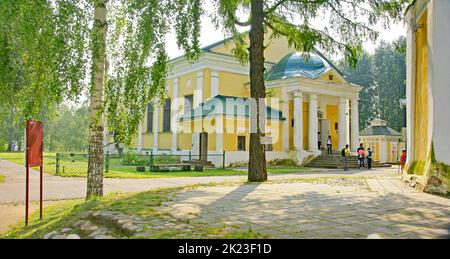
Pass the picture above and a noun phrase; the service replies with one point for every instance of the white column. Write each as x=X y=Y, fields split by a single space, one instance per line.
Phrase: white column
x=198 y=92
x=438 y=83
x=214 y=83
x=139 y=140
x=313 y=123
x=342 y=123
x=354 y=123
x=219 y=134
x=298 y=121
x=410 y=83
x=174 y=112
x=286 y=123
x=155 y=125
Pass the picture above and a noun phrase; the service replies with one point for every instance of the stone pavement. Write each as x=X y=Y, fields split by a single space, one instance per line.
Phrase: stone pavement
x=375 y=208
x=60 y=188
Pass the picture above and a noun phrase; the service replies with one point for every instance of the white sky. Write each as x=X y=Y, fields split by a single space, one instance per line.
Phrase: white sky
x=210 y=35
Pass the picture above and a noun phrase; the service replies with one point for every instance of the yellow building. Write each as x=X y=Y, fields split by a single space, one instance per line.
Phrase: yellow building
x=428 y=92
x=384 y=142
x=208 y=107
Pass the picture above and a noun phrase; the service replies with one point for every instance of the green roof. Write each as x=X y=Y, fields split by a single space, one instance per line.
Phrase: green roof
x=298 y=64
x=379 y=131
x=228 y=106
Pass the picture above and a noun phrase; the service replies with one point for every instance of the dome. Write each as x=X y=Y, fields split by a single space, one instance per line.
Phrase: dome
x=297 y=64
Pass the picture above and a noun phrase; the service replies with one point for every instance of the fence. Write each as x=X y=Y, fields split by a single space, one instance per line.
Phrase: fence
x=77 y=164
x=73 y=164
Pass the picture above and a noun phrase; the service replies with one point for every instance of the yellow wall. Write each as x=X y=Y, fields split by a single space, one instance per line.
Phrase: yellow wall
x=333 y=117
x=421 y=93
x=165 y=140
x=276 y=49
x=206 y=84
x=186 y=85
x=231 y=84
x=325 y=77
x=147 y=140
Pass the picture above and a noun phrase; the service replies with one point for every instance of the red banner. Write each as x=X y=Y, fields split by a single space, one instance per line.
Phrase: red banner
x=35 y=146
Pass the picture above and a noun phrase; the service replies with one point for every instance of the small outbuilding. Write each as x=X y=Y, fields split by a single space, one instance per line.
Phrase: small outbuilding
x=385 y=143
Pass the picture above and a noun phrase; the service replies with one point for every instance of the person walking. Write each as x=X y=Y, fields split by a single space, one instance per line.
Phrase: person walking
x=346 y=154
x=329 y=146
x=369 y=158
x=403 y=159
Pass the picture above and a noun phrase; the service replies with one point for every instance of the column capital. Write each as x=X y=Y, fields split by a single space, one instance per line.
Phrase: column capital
x=175 y=81
x=313 y=96
x=298 y=94
x=214 y=73
x=343 y=99
x=200 y=74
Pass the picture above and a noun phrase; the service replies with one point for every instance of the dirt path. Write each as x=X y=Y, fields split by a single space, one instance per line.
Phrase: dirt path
x=11 y=213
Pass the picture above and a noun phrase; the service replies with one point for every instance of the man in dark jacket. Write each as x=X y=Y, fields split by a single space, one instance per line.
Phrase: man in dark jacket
x=369 y=158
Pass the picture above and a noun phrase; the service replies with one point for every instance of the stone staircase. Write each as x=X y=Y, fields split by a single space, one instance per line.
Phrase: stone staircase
x=336 y=161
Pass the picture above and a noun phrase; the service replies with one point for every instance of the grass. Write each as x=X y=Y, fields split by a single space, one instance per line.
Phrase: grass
x=287 y=169
x=144 y=204
x=2 y=178
x=78 y=169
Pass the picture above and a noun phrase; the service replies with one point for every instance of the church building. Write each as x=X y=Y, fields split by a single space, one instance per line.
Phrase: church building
x=208 y=106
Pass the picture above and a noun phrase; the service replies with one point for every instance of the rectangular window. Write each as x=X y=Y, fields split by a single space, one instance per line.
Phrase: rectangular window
x=188 y=103
x=166 y=116
x=149 y=118
x=241 y=143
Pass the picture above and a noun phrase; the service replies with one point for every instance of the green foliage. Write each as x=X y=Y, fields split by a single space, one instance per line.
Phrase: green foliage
x=350 y=23
x=383 y=78
x=131 y=158
x=47 y=48
x=68 y=130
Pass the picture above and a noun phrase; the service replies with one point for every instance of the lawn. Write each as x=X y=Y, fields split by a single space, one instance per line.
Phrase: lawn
x=287 y=169
x=145 y=205
x=78 y=168
x=2 y=178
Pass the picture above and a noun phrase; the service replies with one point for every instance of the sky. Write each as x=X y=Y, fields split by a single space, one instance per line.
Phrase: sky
x=210 y=35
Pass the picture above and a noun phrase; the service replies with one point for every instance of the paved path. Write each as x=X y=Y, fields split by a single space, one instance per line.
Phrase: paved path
x=58 y=188
x=384 y=208
x=286 y=208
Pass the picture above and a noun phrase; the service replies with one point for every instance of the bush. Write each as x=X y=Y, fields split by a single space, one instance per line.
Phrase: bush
x=132 y=159
x=282 y=162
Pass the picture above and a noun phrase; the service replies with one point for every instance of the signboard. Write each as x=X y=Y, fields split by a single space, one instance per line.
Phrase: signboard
x=34 y=139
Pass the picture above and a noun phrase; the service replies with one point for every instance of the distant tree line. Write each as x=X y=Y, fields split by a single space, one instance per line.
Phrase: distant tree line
x=383 y=78
x=66 y=130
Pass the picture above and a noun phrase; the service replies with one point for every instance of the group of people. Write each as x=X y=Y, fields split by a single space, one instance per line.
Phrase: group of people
x=362 y=156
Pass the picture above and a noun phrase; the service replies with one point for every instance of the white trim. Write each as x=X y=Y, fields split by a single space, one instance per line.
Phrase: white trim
x=214 y=83
x=286 y=123
x=174 y=112
x=155 y=125
x=139 y=140
x=207 y=60
x=298 y=121
x=342 y=123
x=313 y=124
x=410 y=85
x=354 y=123
x=198 y=92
